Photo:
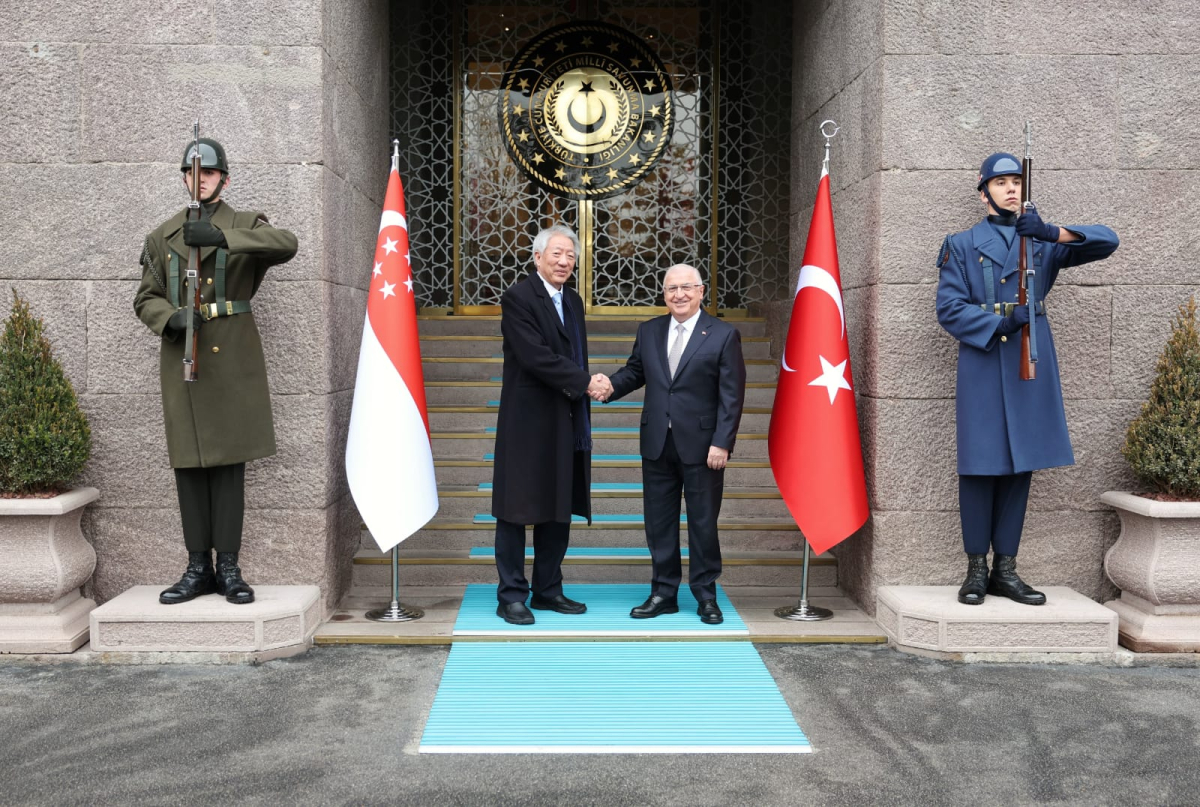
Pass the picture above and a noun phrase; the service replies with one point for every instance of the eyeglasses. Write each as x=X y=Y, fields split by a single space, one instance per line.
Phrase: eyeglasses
x=686 y=288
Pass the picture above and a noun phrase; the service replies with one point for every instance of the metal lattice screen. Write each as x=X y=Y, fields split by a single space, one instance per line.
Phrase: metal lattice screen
x=731 y=77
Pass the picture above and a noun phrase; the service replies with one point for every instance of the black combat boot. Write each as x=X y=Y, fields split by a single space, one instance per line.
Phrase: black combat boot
x=197 y=579
x=976 y=584
x=1005 y=583
x=229 y=579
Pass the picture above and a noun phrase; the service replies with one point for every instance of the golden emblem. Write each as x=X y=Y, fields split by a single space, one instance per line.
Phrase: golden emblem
x=586 y=110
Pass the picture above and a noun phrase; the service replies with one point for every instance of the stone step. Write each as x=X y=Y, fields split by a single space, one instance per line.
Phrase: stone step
x=464 y=502
x=466 y=418
x=479 y=393
x=744 y=533
x=612 y=346
x=458 y=567
x=454 y=368
x=489 y=325
x=481 y=444
x=279 y=617
x=462 y=534
x=754 y=604
x=464 y=471
x=930 y=619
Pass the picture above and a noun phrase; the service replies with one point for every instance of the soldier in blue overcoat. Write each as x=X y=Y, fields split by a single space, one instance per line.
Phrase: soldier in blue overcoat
x=1007 y=427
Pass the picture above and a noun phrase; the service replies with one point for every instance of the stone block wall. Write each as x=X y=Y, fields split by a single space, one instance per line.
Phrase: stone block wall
x=99 y=107
x=923 y=90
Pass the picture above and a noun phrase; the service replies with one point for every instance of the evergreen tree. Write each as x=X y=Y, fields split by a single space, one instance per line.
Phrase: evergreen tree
x=44 y=436
x=1163 y=442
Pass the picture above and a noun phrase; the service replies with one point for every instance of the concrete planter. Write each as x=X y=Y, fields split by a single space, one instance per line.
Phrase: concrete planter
x=44 y=559
x=1156 y=564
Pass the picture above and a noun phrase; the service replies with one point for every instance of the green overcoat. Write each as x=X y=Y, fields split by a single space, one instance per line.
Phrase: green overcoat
x=224 y=416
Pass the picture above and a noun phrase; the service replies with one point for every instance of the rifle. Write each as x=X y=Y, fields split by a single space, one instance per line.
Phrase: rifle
x=190 y=343
x=1026 y=285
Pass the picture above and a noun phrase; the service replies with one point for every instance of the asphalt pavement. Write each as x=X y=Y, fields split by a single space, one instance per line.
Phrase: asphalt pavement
x=341 y=726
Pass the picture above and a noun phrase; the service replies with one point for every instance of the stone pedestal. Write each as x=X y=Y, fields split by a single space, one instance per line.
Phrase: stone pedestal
x=280 y=616
x=931 y=618
x=44 y=559
x=1156 y=564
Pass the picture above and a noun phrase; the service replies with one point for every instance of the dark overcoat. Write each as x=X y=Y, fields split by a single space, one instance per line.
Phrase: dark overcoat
x=1006 y=425
x=224 y=417
x=538 y=475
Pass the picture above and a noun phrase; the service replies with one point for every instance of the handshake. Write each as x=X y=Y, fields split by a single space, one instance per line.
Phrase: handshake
x=601 y=388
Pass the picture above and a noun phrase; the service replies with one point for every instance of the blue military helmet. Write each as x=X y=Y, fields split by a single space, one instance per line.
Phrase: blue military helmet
x=997 y=165
x=212 y=155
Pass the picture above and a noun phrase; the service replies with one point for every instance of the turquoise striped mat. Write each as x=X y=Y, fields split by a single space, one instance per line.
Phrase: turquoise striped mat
x=583 y=552
x=597 y=487
x=618 y=404
x=597 y=518
x=607 y=615
x=609 y=698
x=595 y=457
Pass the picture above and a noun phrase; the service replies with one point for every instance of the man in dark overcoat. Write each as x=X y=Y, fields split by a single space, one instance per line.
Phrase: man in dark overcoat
x=542 y=472
x=1007 y=427
x=695 y=378
x=220 y=421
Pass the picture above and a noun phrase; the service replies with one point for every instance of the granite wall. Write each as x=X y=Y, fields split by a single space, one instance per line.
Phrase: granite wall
x=923 y=90
x=99 y=105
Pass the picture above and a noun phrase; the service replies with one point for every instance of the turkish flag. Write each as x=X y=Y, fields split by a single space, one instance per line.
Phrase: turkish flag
x=814 y=444
x=389 y=458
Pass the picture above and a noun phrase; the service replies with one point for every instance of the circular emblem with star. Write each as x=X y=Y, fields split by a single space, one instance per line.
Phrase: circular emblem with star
x=585 y=109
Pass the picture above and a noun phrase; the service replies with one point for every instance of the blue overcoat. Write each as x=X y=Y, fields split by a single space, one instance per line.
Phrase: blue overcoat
x=1006 y=425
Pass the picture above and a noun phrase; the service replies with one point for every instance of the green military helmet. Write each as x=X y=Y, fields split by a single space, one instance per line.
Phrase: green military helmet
x=212 y=155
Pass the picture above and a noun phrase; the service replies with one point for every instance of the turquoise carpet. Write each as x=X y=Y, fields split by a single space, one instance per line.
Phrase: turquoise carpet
x=609 y=698
x=607 y=615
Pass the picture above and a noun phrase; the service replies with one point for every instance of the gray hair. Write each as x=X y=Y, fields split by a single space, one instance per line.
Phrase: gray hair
x=543 y=238
x=691 y=269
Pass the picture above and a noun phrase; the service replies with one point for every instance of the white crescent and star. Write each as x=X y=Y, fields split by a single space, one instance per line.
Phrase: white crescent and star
x=817 y=278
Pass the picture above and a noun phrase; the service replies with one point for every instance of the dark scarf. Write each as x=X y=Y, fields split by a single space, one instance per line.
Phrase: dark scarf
x=580 y=423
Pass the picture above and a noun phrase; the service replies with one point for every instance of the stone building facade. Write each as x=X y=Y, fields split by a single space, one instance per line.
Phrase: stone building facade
x=99 y=101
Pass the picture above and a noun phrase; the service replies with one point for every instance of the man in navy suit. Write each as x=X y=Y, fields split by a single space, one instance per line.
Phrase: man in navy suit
x=691 y=366
x=1007 y=427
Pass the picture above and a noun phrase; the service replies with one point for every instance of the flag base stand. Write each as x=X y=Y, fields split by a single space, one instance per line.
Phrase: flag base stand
x=803 y=612
x=396 y=611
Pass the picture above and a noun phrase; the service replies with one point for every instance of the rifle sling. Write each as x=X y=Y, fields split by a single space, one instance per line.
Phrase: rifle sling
x=220 y=308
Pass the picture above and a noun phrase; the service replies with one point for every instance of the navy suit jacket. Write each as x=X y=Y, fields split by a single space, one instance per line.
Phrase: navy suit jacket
x=703 y=402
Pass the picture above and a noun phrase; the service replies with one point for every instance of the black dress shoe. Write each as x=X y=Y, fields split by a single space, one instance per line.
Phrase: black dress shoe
x=710 y=612
x=655 y=606
x=229 y=580
x=1004 y=582
x=514 y=613
x=557 y=603
x=976 y=583
x=198 y=579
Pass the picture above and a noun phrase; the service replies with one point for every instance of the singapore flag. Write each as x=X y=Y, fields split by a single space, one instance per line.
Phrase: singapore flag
x=814 y=443
x=389 y=459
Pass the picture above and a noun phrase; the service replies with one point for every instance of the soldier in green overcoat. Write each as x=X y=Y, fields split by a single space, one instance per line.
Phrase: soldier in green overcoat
x=222 y=419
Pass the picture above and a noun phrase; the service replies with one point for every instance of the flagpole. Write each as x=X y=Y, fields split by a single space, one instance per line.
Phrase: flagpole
x=803 y=612
x=395 y=611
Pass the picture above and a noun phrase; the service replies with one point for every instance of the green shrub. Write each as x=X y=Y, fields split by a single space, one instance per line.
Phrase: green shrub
x=44 y=436
x=1163 y=442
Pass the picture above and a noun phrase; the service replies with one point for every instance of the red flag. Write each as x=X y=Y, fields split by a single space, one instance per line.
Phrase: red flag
x=814 y=445
x=389 y=458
